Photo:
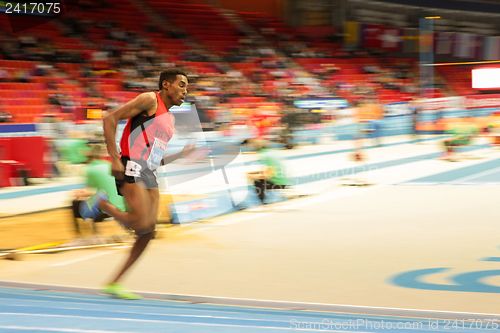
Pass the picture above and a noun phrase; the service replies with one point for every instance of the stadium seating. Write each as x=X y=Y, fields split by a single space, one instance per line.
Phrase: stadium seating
x=201 y=21
x=207 y=27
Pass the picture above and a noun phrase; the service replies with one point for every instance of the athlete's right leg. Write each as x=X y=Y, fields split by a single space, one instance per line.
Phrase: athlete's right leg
x=137 y=218
x=136 y=199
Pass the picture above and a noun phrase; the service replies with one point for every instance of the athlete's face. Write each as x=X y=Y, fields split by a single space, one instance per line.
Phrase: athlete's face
x=177 y=90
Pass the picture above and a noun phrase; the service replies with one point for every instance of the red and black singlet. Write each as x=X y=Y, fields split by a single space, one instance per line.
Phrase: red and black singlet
x=145 y=137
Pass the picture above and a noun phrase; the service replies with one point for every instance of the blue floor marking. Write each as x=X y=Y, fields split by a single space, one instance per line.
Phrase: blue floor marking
x=28 y=192
x=494 y=259
x=493 y=177
x=464 y=282
x=456 y=174
x=70 y=300
x=294 y=157
x=324 y=175
x=370 y=166
x=37 y=191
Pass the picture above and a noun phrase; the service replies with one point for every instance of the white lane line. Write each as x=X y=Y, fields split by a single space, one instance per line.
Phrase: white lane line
x=55 y=329
x=282 y=318
x=152 y=321
x=80 y=259
x=272 y=304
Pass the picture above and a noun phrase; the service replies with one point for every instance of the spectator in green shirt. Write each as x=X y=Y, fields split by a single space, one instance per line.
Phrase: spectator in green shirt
x=462 y=134
x=273 y=174
x=98 y=179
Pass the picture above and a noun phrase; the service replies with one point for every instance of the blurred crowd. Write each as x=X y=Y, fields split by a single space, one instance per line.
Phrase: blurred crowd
x=254 y=82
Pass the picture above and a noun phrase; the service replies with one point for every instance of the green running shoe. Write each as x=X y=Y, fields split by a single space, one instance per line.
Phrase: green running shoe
x=118 y=291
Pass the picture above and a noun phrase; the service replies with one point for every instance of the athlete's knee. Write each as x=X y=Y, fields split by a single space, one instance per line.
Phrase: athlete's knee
x=153 y=220
x=146 y=232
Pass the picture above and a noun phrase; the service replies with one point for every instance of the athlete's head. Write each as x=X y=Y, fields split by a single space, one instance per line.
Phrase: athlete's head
x=175 y=83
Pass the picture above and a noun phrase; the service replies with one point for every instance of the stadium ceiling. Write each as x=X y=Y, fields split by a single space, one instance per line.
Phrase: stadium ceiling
x=486 y=6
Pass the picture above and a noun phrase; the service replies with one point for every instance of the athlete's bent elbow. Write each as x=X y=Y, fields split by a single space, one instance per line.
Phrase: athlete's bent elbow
x=109 y=120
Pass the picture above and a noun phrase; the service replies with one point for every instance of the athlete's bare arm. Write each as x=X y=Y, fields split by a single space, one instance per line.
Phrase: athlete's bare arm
x=143 y=102
x=188 y=149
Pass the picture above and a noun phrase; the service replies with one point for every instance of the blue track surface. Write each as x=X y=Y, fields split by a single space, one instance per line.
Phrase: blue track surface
x=23 y=310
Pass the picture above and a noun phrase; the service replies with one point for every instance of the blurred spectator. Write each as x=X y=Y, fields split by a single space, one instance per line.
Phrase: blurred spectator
x=73 y=150
x=462 y=133
x=54 y=99
x=5 y=117
x=272 y=176
x=72 y=26
x=42 y=69
x=175 y=32
x=98 y=177
x=49 y=126
x=415 y=112
x=111 y=104
x=265 y=65
x=27 y=41
x=194 y=55
x=371 y=69
x=68 y=105
x=4 y=75
x=91 y=90
x=21 y=75
x=86 y=71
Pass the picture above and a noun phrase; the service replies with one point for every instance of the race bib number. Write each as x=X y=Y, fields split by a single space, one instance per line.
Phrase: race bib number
x=157 y=153
x=133 y=169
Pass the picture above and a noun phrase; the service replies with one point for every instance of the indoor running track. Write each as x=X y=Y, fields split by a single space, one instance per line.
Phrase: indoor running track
x=27 y=310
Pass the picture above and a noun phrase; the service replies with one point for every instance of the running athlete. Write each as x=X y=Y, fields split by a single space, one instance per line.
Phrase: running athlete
x=143 y=146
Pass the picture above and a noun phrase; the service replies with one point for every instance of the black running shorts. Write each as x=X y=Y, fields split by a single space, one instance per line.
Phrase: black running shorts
x=135 y=172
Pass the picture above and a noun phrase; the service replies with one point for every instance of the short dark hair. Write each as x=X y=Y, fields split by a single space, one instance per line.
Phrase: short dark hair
x=170 y=75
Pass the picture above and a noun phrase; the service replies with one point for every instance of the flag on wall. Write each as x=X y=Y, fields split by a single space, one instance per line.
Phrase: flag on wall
x=464 y=45
x=351 y=33
x=444 y=42
x=491 y=48
x=391 y=39
x=372 y=35
x=478 y=47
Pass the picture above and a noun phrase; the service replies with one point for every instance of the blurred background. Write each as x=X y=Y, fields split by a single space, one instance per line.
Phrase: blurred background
x=340 y=90
x=292 y=73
